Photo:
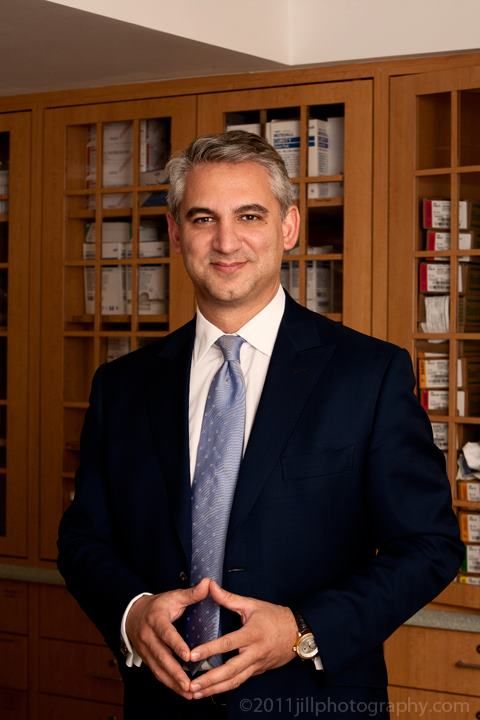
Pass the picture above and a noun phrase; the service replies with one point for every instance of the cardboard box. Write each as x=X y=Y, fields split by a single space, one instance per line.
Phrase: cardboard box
x=433 y=373
x=434 y=277
x=469 y=526
x=440 y=435
x=468 y=490
x=434 y=401
x=436 y=214
x=284 y=136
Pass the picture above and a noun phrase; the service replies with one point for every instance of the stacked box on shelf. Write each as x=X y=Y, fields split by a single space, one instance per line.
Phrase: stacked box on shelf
x=325 y=155
x=116 y=280
x=433 y=382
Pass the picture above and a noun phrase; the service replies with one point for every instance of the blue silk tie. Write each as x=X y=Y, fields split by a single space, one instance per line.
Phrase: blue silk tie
x=218 y=461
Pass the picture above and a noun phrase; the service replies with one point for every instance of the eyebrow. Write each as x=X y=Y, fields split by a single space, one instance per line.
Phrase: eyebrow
x=250 y=207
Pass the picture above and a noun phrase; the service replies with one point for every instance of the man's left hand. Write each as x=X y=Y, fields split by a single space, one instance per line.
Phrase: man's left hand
x=264 y=642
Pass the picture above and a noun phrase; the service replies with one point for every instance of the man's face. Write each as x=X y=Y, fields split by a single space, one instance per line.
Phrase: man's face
x=232 y=236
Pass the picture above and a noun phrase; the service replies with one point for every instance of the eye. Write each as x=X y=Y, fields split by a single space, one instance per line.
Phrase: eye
x=250 y=217
x=202 y=220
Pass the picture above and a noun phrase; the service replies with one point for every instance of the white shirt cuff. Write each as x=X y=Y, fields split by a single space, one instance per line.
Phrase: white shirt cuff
x=131 y=657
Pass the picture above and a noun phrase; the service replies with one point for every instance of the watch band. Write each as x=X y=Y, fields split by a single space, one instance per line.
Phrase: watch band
x=300 y=620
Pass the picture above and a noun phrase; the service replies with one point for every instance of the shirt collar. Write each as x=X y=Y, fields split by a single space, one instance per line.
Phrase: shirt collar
x=260 y=331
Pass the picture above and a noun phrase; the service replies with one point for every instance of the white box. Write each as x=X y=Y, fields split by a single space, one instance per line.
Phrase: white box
x=116 y=347
x=294 y=281
x=255 y=128
x=152 y=289
x=110 y=250
x=112 y=232
x=154 y=144
x=284 y=136
x=318 y=286
x=113 y=291
x=440 y=435
x=325 y=155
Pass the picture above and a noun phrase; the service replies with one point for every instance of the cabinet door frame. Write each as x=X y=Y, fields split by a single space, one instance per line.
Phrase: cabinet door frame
x=357 y=98
x=19 y=405
x=57 y=120
x=403 y=229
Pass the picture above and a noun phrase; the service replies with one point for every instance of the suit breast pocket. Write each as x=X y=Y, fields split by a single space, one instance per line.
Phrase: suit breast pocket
x=324 y=462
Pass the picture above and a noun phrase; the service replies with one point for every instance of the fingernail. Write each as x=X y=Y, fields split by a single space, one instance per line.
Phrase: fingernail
x=197 y=696
x=195 y=687
x=194 y=655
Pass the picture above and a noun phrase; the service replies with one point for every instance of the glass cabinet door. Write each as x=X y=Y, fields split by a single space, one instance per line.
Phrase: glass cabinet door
x=324 y=134
x=14 y=274
x=434 y=277
x=111 y=283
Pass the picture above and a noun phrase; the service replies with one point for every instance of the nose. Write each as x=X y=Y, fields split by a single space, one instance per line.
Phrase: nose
x=227 y=238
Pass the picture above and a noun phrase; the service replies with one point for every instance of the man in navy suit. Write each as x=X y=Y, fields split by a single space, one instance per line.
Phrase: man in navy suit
x=341 y=524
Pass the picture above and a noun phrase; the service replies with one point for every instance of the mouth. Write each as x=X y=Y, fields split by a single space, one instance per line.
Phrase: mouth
x=228 y=268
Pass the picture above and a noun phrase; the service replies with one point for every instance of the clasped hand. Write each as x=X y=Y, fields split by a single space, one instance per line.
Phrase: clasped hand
x=264 y=641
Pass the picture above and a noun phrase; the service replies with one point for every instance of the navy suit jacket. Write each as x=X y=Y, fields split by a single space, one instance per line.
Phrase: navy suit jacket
x=342 y=507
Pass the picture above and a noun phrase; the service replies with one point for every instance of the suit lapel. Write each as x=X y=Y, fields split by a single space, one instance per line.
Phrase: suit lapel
x=299 y=357
x=169 y=401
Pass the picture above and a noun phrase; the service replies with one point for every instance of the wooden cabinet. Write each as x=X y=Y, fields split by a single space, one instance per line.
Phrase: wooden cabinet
x=14 y=293
x=330 y=269
x=436 y=670
x=434 y=300
x=85 y=270
x=14 y=647
x=111 y=283
x=107 y=249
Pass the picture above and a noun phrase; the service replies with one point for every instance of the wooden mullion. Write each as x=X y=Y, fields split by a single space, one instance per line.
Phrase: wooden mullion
x=302 y=186
x=453 y=260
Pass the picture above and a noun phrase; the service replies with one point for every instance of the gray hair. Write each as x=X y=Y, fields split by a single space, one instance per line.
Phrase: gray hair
x=235 y=146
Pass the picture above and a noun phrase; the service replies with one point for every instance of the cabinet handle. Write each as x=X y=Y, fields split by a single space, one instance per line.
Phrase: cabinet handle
x=466 y=665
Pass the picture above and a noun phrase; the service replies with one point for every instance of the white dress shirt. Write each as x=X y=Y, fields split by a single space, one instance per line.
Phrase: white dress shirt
x=259 y=334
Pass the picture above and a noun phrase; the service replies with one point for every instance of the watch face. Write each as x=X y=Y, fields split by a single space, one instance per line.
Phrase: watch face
x=307 y=647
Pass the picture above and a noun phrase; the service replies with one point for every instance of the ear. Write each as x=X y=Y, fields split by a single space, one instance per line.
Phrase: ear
x=174 y=234
x=291 y=227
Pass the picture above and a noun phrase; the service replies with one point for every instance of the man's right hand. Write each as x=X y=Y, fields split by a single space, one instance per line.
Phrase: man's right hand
x=151 y=632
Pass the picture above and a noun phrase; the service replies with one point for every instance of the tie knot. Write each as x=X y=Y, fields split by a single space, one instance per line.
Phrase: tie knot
x=230 y=346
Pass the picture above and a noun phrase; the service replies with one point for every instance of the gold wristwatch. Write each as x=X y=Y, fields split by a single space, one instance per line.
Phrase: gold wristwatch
x=305 y=646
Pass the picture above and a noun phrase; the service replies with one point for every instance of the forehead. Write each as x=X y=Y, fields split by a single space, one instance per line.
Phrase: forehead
x=221 y=180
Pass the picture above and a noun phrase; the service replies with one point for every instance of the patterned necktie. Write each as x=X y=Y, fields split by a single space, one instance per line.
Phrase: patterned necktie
x=218 y=461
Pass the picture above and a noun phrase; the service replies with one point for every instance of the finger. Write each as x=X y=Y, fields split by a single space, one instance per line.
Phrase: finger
x=237 y=603
x=225 y=678
x=170 y=636
x=164 y=666
x=225 y=644
x=194 y=594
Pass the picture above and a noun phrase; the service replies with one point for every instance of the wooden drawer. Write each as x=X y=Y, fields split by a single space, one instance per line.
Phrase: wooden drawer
x=411 y=704
x=429 y=659
x=13 y=661
x=13 y=705
x=79 y=671
x=62 y=618
x=13 y=606
x=52 y=707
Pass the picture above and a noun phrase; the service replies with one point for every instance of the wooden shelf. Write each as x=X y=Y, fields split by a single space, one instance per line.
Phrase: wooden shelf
x=117 y=319
x=466 y=505
x=325 y=202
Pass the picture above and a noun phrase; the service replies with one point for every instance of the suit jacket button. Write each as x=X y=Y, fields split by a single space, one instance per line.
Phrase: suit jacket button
x=183 y=577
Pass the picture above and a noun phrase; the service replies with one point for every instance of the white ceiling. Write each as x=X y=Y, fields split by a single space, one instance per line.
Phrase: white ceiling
x=44 y=46
x=66 y=44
